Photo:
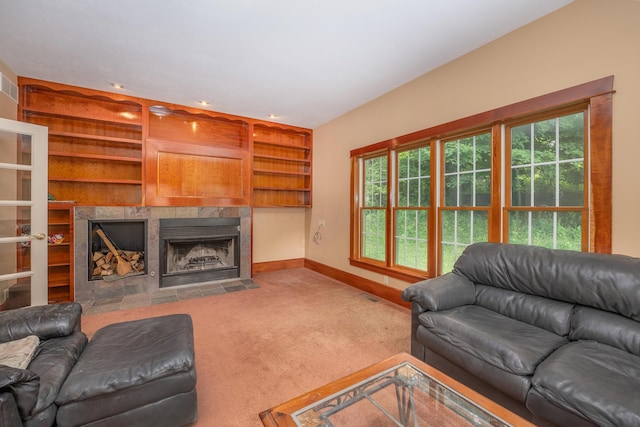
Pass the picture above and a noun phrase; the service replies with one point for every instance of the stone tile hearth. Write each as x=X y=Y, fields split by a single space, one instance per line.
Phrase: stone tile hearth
x=161 y=296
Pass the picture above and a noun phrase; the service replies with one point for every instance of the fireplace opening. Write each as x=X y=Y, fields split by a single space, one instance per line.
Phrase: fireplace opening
x=195 y=250
x=128 y=238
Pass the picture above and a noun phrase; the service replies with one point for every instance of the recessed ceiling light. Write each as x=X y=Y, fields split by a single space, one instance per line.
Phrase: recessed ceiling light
x=273 y=116
x=117 y=86
x=203 y=102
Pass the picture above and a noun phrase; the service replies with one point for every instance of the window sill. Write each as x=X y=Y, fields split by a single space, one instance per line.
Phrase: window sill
x=410 y=276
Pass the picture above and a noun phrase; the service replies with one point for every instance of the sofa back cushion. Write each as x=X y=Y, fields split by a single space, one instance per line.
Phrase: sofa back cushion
x=606 y=328
x=43 y=321
x=551 y=315
x=608 y=282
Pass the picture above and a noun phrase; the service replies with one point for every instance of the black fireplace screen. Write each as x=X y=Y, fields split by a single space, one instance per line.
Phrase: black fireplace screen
x=195 y=250
x=207 y=255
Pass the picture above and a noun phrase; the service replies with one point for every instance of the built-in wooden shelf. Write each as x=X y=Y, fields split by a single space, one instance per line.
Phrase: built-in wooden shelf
x=60 y=260
x=281 y=167
x=109 y=149
x=95 y=143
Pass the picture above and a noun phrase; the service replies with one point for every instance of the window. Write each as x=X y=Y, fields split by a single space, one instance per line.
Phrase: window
x=547 y=197
x=411 y=213
x=466 y=195
x=537 y=173
x=374 y=213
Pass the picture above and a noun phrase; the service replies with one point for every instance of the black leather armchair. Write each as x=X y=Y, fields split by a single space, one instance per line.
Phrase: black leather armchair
x=138 y=373
x=27 y=396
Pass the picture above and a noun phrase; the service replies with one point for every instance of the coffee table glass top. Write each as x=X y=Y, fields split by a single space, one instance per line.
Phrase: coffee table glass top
x=402 y=395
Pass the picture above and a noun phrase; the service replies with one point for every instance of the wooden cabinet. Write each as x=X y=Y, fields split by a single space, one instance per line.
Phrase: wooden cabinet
x=196 y=159
x=95 y=145
x=60 y=248
x=107 y=149
x=281 y=167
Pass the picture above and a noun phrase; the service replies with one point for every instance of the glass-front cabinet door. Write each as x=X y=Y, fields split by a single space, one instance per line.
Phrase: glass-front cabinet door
x=23 y=214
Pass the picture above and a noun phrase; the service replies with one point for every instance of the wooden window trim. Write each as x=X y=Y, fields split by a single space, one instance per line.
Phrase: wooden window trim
x=598 y=94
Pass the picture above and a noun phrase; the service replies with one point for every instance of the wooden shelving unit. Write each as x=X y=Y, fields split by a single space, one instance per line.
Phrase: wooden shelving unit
x=60 y=265
x=95 y=145
x=281 y=167
x=109 y=149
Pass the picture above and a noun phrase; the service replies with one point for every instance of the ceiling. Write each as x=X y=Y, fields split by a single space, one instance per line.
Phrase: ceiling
x=307 y=61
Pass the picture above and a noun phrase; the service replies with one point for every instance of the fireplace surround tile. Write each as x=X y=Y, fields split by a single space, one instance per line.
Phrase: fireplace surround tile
x=137 y=289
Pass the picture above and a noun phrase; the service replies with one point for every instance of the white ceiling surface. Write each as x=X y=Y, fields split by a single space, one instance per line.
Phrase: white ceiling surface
x=308 y=61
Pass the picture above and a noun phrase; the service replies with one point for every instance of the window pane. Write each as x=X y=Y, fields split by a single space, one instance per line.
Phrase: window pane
x=467 y=177
x=556 y=230
x=451 y=190
x=375 y=185
x=557 y=162
x=521 y=186
x=571 y=180
x=413 y=177
x=483 y=151
x=545 y=185
x=466 y=155
x=571 y=136
x=483 y=188
x=544 y=141
x=411 y=238
x=465 y=189
x=373 y=233
x=460 y=229
x=521 y=145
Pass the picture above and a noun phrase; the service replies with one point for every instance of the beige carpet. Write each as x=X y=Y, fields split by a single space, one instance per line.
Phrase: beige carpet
x=260 y=347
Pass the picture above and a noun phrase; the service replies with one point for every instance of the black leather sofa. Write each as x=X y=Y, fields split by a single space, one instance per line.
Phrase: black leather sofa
x=131 y=373
x=553 y=335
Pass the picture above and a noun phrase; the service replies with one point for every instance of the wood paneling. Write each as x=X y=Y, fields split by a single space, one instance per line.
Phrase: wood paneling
x=188 y=175
x=194 y=175
x=105 y=150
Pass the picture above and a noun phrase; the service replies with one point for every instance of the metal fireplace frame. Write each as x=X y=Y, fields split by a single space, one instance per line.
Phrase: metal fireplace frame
x=181 y=230
x=119 y=231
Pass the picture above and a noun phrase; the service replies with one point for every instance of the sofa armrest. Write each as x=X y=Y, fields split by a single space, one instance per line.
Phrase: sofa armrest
x=9 y=415
x=441 y=293
x=23 y=385
x=44 y=321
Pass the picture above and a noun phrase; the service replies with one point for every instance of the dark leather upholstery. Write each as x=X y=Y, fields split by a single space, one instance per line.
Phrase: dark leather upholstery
x=596 y=381
x=130 y=366
x=34 y=389
x=9 y=415
x=133 y=373
x=555 y=330
x=46 y=321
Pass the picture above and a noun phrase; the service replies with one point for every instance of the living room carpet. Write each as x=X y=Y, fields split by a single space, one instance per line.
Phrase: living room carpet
x=257 y=348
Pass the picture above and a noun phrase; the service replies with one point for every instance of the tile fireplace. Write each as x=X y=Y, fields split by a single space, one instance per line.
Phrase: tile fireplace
x=223 y=254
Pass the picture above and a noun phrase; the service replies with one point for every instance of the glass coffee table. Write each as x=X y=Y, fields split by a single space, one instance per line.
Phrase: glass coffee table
x=400 y=391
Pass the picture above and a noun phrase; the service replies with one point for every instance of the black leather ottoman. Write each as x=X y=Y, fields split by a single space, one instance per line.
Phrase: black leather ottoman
x=137 y=373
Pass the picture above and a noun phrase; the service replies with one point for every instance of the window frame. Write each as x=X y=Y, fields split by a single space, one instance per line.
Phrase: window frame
x=597 y=95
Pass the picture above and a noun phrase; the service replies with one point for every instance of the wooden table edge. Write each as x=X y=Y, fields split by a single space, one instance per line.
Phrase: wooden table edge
x=280 y=415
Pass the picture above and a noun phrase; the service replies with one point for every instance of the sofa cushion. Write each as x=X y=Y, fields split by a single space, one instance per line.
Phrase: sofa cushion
x=23 y=385
x=545 y=313
x=597 y=381
x=505 y=343
x=607 y=328
x=44 y=321
x=608 y=282
x=18 y=353
x=56 y=358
